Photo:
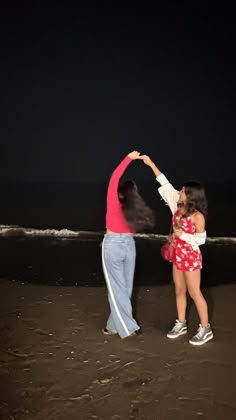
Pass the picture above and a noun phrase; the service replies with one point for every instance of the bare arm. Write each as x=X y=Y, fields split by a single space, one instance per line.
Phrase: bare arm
x=199 y=222
x=146 y=159
x=169 y=194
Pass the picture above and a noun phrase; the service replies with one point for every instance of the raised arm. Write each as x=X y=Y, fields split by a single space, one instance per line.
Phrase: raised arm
x=112 y=192
x=169 y=194
x=147 y=160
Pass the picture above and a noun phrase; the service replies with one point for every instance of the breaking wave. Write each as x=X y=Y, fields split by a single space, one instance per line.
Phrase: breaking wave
x=19 y=231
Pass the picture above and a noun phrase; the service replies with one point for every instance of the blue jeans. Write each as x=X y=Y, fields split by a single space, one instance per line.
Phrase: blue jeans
x=118 y=259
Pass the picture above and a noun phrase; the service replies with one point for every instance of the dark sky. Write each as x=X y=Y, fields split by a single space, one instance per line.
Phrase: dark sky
x=81 y=87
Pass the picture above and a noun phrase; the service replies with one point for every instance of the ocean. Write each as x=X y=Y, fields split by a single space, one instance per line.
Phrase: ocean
x=82 y=207
x=51 y=234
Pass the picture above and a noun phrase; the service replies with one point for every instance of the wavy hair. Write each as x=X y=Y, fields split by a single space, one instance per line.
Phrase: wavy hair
x=196 y=198
x=138 y=215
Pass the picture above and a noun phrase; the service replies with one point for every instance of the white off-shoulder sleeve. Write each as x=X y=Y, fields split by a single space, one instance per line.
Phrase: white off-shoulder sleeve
x=195 y=239
x=169 y=194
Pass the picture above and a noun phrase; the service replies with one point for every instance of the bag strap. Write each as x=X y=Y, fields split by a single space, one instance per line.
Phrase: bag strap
x=171 y=227
x=170 y=231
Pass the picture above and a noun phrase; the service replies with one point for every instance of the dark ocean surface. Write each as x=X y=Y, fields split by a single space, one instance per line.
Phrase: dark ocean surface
x=82 y=207
x=59 y=228
x=77 y=261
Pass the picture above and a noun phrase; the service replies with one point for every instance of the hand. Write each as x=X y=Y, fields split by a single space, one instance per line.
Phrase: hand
x=177 y=232
x=134 y=155
x=146 y=159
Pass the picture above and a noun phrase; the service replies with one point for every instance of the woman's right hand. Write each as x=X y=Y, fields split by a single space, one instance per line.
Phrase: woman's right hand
x=134 y=155
x=147 y=160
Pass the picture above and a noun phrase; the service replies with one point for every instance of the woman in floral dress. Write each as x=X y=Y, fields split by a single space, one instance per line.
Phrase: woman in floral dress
x=188 y=207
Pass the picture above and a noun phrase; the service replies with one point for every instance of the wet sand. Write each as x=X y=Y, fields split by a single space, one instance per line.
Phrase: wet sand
x=57 y=365
x=78 y=262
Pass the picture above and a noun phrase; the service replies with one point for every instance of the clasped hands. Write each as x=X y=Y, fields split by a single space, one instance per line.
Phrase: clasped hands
x=145 y=158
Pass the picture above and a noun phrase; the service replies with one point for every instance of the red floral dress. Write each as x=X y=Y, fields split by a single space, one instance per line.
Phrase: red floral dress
x=185 y=258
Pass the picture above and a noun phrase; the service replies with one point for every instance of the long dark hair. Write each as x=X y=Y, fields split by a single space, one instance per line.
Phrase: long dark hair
x=138 y=215
x=196 y=198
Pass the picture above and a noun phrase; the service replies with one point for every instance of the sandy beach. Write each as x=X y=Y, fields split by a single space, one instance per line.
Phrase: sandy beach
x=57 y=365
x=95 y=94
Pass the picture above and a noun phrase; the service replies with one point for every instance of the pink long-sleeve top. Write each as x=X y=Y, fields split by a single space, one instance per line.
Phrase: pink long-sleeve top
x=115 y=220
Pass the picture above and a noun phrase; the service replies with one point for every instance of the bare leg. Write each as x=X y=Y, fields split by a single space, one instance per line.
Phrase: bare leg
x=193 y=280
x=180 y=290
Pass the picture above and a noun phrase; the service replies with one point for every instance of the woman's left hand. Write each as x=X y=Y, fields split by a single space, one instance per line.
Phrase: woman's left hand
x=177 y=232
x=134 y=155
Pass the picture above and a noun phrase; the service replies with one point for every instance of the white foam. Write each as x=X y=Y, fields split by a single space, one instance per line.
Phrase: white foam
x=216 y=239
x=14 y=230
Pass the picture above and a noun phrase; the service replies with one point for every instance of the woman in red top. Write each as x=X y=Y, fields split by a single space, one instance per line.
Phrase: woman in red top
x=126 y=214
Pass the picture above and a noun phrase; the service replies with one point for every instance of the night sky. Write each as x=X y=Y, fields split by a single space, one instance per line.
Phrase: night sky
x=81 y=87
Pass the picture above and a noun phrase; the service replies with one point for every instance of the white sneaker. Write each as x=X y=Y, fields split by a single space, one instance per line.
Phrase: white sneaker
x=179 y=328
x=203 y=335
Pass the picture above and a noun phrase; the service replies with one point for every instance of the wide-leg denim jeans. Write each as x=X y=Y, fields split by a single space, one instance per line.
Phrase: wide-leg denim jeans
x=118 y=258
